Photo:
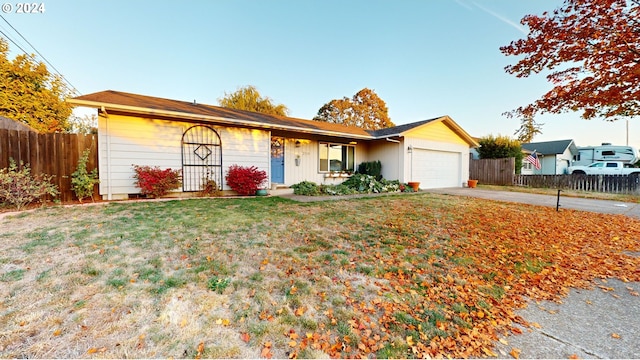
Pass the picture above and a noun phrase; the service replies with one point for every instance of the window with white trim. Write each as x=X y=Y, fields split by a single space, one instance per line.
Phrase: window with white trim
x=336 y=157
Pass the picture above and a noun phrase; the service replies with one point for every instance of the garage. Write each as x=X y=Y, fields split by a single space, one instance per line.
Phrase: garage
x=436 y=169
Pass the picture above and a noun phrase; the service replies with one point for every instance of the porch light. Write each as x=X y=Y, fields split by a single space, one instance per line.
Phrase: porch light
x=297 y=143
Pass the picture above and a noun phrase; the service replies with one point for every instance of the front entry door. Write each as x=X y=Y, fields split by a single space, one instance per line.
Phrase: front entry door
x=277 y=160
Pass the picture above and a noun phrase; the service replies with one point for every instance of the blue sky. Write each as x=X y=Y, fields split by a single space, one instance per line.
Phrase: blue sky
x=423 y=58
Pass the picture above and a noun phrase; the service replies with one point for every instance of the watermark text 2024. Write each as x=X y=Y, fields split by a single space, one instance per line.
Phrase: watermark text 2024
x=23 y=8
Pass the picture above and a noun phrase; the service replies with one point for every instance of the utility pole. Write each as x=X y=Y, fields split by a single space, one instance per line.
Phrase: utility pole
x=627 y=132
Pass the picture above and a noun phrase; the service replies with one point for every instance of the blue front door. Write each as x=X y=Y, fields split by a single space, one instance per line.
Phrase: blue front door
x=277 y=160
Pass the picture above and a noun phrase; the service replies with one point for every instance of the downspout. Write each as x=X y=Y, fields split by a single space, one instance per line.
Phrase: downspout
x=103 y=112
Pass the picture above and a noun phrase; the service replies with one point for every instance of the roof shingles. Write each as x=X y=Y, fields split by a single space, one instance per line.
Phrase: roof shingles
x=142 y=104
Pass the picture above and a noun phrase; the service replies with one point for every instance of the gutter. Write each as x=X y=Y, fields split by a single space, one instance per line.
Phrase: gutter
x=183 y=115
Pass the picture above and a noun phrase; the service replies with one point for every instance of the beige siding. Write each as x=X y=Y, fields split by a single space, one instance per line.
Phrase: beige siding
x=125 y=141
x=391 y=155
x=309 y=168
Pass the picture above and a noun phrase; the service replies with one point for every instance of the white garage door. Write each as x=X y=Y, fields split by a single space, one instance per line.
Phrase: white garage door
x=437 y=169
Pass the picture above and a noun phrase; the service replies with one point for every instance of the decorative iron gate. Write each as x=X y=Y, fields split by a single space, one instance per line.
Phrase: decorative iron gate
x=201 y=158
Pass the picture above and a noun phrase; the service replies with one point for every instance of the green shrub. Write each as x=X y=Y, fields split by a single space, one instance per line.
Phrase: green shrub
x=19 y=187
x=308 y=188
x=363 y=183
x=373 y=168
x=356 y=184
x=82 y=181
x=340 y=189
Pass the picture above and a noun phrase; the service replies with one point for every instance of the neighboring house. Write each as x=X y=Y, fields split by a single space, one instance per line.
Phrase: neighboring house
x=204 y=140
x=473 y=152
x=10 y=124
x=555 y=157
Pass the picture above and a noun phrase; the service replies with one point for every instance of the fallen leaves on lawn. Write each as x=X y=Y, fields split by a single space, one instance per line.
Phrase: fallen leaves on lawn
x=245 y=337
x=408 y=277
x=449 y=281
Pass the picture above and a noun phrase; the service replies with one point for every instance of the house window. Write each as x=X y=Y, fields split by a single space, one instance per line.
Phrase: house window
x=337 y=157
x=527 y=166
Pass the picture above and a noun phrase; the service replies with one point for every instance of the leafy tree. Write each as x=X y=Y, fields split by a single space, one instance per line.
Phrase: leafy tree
x=364 y=110
x=529 y=128
x=499 y=147
x=592 y=50
x=29 y=93
x=83 y=124
x=248 y=98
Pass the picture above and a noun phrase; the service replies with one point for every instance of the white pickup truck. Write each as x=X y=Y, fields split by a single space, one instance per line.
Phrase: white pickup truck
x=605 y=168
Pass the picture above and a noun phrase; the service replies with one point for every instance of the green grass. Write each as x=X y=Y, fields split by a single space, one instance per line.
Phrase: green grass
x=161 y=277
x=13 y=275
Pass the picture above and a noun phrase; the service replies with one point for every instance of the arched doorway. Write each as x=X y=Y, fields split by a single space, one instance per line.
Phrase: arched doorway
x=201 y=158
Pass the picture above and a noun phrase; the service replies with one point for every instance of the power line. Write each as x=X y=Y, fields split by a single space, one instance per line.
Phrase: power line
x=37 y=52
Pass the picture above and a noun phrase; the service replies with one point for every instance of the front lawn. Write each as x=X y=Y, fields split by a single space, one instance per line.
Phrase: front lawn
x=397 y=276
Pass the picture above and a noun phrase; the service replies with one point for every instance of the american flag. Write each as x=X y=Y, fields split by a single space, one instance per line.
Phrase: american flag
x=533 y=159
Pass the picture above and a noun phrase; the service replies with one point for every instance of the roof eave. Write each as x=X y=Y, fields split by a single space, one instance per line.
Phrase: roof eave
x=217 y=119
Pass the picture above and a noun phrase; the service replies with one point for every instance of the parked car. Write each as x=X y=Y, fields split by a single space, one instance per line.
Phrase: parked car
x=605 y=168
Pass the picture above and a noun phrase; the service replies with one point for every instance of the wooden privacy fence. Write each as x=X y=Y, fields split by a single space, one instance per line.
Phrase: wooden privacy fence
x=492 y=171
x=50 y=154
x=617 y=184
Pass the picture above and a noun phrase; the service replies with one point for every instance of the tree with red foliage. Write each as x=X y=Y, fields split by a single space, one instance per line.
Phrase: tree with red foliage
x=591 y=49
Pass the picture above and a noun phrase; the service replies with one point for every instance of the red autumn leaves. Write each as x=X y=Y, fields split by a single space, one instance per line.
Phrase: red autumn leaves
x=446 y=281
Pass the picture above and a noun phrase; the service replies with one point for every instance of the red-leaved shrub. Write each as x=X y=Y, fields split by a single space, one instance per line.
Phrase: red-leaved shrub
x=156 y=182
x=245 y=180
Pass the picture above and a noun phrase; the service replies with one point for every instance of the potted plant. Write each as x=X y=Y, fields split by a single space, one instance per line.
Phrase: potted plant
x=261 y=192
x=415 y=185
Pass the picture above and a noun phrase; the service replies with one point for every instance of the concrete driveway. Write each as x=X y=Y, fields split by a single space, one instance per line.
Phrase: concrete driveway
x=603 y=323
x=566 y=202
